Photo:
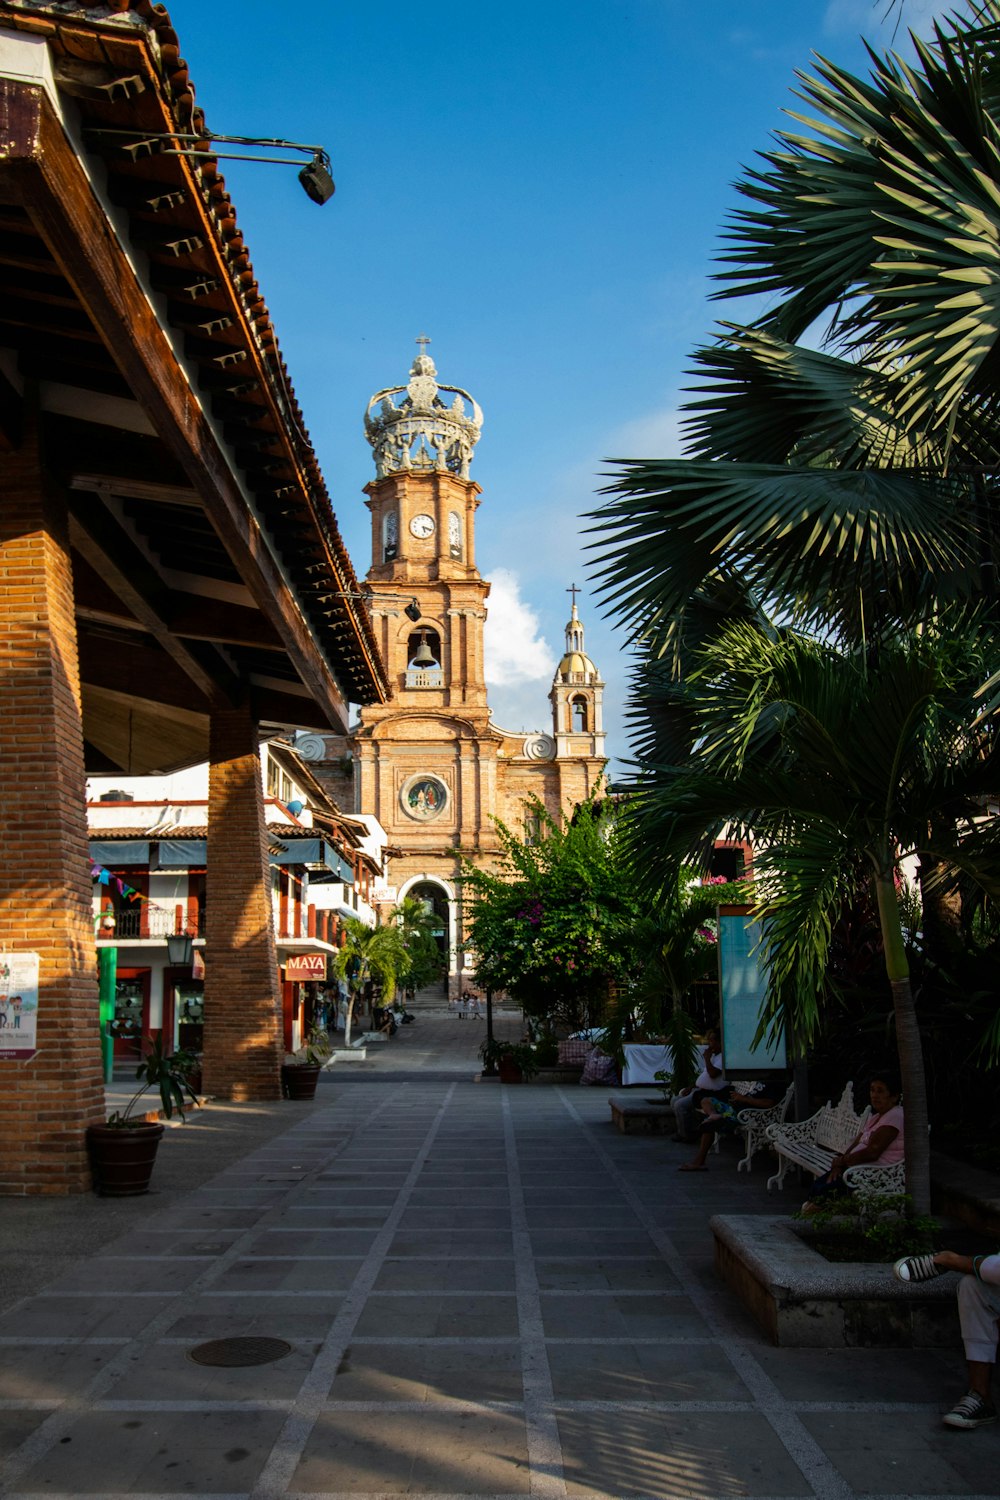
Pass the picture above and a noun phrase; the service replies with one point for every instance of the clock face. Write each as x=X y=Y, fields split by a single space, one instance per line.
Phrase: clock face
x=422 y=526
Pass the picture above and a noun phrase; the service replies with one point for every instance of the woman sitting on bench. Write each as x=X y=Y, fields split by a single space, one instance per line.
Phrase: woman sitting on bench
x=880 y=1140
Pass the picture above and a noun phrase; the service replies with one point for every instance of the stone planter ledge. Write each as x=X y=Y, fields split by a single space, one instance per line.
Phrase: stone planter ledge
x=801 y=1300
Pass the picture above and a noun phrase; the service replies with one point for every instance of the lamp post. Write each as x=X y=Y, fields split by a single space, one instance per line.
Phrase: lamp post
x=317 y=182
x=412 y=611
x=490 y=1069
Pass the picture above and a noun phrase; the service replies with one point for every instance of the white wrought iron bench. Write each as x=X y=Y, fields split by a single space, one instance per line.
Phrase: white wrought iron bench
x=812 y=1144
x=753 y=1123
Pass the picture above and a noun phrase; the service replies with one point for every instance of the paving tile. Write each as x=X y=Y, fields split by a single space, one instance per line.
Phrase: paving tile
x=908 y=1453
x=653 y=1453
x=601 y=1242
x=166 y=1277
x=474 y=1216
x=430 y=1316
x=597 y=1274
x=93 y=1315
x=862 y=1374
x=292 y=1318
x=620 y=1317
x=50 y=1372
x=327 y=1275
x=169 y=1374
x=331 y=1216
x=429 y=1372
x=210 y=1218
x=438 y=1275
x=316 y=1240
x=573 y=1215
x=426 y=1452
x=452 y=1242
x=643 y=1372
x=296 y=1322
x=158 y=1452
x=16 y=1427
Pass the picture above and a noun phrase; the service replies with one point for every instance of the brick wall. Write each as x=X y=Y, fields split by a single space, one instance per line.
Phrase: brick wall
x=243 y=1045
x=45 y=888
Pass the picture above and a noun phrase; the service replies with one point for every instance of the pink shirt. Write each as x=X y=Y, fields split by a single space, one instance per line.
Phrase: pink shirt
x=895 y=1149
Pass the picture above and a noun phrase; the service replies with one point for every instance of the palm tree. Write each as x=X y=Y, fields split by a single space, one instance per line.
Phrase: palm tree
x=838 y=763
x=416 y=922
x=369 y=953
x=853 y=484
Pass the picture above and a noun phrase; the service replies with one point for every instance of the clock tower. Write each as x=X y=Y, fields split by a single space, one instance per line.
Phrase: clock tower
x=430 y=764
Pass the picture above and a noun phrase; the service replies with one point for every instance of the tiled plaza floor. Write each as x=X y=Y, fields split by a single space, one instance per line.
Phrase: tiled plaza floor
x=486 y=1290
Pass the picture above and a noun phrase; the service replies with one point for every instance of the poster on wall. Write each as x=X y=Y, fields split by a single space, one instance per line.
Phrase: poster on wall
x=18 y=1005
x=742 y=991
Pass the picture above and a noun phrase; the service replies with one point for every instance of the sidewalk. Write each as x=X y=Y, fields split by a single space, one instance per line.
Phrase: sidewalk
x=485 y=1291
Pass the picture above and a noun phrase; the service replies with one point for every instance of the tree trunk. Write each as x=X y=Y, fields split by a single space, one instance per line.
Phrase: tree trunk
x=915 y=1123
x=908 y=1046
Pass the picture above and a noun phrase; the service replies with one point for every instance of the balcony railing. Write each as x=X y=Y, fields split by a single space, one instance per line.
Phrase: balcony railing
x=424 y=677
x=159 y=924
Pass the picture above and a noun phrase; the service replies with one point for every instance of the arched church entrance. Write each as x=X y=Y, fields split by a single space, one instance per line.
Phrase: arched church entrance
x=436 y=898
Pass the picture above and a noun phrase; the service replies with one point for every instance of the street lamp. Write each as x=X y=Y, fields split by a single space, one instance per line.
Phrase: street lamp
x=412 y=610
x=180 y=950
x=317 y=183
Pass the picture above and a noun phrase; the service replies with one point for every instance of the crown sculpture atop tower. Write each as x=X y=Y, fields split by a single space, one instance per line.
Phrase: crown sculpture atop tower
x=422 y=433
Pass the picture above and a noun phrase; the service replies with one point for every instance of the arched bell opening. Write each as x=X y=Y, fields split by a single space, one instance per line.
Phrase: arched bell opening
x=578 y=715
x=423 y=649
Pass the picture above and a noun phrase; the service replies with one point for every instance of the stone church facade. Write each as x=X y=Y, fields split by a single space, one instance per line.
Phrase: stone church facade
x=431 y=764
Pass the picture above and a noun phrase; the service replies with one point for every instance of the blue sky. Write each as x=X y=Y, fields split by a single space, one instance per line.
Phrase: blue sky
x=538 y=187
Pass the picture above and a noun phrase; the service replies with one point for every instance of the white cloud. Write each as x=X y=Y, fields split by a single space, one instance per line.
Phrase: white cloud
x=514 y=650
x=655 y=434
x=519 y=663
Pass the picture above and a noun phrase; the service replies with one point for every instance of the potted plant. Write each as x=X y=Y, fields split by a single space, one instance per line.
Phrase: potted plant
x=300 y=1071
x=516 y=1062
x=123 y=1149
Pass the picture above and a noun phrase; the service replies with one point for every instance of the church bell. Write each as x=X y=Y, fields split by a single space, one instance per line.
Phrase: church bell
x=423 y=657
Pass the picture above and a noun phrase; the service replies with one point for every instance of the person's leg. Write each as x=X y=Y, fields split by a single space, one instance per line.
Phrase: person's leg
x=705 y=1138
x=826 y=1186
x=684 y=1109
x=978 y=1311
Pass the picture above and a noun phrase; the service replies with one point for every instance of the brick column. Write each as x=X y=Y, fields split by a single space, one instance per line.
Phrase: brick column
x=243 y=1045
x=45 y=888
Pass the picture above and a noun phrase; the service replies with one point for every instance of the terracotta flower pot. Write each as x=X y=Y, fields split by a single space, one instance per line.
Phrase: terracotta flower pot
x=299 y=1080
x=123 y=1157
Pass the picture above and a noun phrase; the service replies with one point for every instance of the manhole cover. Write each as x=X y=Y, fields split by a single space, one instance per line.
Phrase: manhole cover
x=246 y=1351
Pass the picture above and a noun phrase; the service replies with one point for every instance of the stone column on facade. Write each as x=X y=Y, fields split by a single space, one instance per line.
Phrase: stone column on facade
x=243 y=1024
x=46 y=1102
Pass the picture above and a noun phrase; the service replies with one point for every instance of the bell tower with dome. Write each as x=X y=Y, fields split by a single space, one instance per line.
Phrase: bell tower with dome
x=430 y=764
x=577 y=696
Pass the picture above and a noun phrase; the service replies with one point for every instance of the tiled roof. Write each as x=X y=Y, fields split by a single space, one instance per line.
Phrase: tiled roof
x=86 y=33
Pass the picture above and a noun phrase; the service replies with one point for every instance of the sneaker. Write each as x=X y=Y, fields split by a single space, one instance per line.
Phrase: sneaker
x=917 y=1268
x=971 y=1411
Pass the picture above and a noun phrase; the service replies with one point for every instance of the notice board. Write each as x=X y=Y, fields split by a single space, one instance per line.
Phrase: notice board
x=742 y=991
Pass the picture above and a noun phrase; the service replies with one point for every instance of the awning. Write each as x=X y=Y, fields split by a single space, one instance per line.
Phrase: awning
x=304 y=945
x=181 y=854
x=120 y=852
x=318 y=856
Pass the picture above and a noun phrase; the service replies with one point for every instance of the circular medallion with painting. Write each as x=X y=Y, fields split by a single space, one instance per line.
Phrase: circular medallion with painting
x=424 y=797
